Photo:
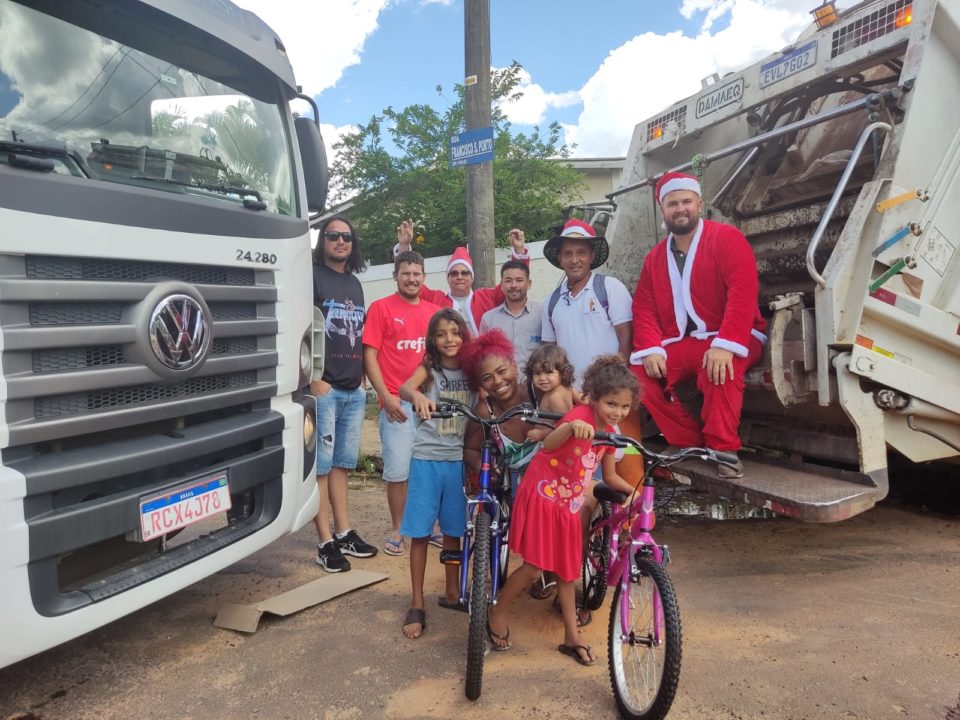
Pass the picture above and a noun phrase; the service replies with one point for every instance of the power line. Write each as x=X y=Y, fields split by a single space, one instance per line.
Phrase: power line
x=102 y=88
x=87 y=89
x=131 y=105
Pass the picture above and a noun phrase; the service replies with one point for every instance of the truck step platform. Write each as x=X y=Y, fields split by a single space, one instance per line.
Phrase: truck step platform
x=811 y=493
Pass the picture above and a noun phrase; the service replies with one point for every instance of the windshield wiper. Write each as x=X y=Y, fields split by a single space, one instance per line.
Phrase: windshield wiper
x=252 y=199
x=22 y=155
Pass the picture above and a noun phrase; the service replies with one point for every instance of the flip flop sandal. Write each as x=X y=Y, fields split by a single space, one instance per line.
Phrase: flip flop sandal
x=418 y=616
x=394 y=547
x=436 y=541
x=574 y=652
x=582 y=620
x=496 y=639
x=541 y=590
x=446 y=604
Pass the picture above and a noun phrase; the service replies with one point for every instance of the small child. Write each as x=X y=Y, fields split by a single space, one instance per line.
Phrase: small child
x=550 y=382
x=435 y=491
x=546 y=528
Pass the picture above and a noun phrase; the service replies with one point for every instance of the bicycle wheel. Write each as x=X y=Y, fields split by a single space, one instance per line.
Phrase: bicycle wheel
x=593 y=575
x=479 y=602
x=644 y=674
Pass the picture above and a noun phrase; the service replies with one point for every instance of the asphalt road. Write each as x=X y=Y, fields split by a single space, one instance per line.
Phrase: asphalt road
x=780 y=619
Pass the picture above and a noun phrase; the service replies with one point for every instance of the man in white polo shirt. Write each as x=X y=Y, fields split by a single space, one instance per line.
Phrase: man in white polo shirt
x=588 y=314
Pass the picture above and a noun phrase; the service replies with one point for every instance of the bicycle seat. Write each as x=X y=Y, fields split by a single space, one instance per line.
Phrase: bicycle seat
x=604 y=493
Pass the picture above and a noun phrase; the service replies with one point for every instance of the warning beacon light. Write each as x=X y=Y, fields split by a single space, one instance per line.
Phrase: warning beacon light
x=825 y=15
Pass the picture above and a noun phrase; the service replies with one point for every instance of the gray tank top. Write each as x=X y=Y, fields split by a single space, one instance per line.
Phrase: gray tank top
x=442 y=439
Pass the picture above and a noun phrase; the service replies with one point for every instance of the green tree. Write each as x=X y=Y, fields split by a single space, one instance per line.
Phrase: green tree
x=415 y=180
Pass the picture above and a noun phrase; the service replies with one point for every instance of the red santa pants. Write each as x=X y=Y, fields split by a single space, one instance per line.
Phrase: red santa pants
x=721 y=403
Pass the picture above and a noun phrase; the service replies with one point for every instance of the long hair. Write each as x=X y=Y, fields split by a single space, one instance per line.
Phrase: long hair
x=355 y=262
x=431 y=356
x=493 y=343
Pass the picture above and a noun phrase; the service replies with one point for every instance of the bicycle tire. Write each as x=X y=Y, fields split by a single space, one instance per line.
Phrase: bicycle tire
x=479 y=603
x=645 y=678
x=593 y=574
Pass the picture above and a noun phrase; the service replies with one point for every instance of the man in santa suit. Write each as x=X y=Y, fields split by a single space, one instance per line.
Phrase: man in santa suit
x=470 y=303
x=695 y=316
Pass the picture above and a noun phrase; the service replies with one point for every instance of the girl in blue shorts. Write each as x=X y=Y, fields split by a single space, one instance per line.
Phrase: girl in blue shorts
x=435 y=491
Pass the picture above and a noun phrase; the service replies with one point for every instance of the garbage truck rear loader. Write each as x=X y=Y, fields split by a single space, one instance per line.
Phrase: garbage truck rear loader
x=839 y=159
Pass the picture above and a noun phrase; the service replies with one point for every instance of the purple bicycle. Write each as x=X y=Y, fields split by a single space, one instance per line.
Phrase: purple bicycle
x=643 y=637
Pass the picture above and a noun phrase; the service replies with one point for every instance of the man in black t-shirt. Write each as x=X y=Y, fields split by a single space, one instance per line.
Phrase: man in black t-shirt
x=340 y=394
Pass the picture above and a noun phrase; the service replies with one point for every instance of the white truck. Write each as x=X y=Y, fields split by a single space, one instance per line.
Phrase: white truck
x=155 y=313
x=839 y=159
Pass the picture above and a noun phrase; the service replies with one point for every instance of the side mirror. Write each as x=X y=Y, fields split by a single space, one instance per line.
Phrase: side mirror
x=313 y=158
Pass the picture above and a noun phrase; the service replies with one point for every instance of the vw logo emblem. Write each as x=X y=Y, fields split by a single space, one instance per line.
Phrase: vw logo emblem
x=179 y=332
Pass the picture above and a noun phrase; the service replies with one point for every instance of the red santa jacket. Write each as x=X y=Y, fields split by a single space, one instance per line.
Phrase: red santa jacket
x=717 y=291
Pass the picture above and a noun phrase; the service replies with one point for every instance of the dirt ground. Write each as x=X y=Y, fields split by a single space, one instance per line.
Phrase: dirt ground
x=780 y=620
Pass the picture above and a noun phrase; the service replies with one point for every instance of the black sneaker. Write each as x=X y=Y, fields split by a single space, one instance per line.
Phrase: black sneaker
x=353 y=544
x=331 y=559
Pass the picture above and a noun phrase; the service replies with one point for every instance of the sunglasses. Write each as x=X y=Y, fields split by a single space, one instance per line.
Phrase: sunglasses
x=458 y=273
x=334 y=235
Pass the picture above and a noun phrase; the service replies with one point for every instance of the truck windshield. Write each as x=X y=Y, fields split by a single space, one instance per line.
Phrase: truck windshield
x=74 y=102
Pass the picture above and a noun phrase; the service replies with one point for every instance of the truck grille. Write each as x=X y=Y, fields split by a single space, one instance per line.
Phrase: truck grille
x=93 y=429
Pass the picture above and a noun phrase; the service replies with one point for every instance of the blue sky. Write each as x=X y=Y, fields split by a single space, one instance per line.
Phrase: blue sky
x=598 y=67
x=416 y=47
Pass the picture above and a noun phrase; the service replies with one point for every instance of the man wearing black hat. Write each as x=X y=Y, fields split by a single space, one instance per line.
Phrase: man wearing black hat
x=588 y=314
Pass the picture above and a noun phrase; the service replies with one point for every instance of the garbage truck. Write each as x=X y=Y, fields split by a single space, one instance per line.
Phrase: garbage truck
x=156 y=327
x=838 y=157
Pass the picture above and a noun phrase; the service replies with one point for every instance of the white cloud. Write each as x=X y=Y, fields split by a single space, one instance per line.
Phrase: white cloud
x=322 y=38
x=531 y=107
x=651 y=72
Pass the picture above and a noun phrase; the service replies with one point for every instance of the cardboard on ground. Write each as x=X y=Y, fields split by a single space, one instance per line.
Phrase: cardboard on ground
x=245 y=618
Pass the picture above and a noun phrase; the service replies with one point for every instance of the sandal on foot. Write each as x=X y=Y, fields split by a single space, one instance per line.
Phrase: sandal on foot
x=496 y=640
x=584 y=616
x=415 y=616
x=541 y=590
x=574 y=652
x=444 y=603
x=436 y=541
x=394 y=547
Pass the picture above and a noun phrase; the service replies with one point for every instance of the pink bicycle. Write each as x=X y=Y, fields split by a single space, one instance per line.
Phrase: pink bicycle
x=643 y=637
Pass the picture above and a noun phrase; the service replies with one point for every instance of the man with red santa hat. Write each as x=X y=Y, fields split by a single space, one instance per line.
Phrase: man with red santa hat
x=695 y=316
x=470 y=303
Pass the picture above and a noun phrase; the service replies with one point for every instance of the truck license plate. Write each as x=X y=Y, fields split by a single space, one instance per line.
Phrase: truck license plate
x=184 y=505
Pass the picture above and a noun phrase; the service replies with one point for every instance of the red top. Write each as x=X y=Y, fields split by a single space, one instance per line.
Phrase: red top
x=717 y=292
x=399 y=331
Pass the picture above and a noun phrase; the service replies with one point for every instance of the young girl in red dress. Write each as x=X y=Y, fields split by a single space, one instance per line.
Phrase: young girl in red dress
x=545 y=528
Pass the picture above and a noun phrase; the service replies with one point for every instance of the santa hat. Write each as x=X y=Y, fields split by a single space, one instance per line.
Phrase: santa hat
x=675 y=181
x=461 y=256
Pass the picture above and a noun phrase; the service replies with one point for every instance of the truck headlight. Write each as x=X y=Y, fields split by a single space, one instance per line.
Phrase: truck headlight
x=309 y=430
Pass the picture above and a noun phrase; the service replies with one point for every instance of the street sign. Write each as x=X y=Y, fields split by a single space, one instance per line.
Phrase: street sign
x=471 y=147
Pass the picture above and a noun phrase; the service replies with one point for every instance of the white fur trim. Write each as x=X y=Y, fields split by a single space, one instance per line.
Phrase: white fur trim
x=701 y=326
x=396 y=249
x=637 y=356
x=679 y=312
x=516 y=256
x=575 y=231
x=678 y=184
x=759 y=336
x=460 y=261
x=735 y=348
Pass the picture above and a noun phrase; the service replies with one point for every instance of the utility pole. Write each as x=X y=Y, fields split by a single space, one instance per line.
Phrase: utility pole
x=477 y=114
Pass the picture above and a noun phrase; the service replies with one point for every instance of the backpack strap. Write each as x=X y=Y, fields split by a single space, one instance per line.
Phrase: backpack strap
x=599 y=291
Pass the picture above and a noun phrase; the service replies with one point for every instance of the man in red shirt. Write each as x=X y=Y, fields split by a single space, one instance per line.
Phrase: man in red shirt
x=394 y=338
x=695 y=315
x=470 y=303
